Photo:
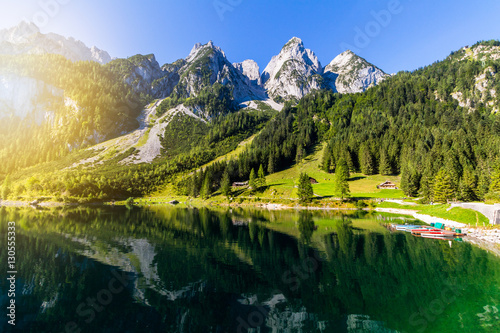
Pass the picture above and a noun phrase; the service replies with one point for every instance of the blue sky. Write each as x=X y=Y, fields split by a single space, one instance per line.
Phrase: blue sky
x=392 y=34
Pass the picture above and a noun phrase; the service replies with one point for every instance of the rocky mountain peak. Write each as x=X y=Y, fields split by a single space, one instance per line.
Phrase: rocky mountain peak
x=250 y=69
x=293 y=73
x=206 y=65
x=99 y=55
x=349 y=73
x=21 y=33
x=293 y=42
x=201 y=49
x=343 y=61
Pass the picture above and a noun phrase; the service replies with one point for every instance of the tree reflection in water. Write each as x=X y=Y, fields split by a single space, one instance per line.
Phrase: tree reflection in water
x=199 y=270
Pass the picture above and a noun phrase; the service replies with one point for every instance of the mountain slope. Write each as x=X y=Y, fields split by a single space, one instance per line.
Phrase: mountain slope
x=50 y=106
x=483 y=92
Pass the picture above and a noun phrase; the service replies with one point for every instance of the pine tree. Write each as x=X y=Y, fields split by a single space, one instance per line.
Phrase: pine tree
x=271 y=163
x=443 y=190
x=226 y=183
x=426 y=185
x=194 y=191
x=410 y=181
x=252 y=182
x=468 y=185
x=366 y=161
x=346 y=155
x=495 y=181
x=483 y=183
x=305 y=190
x=261 y=180
x=341 y=185
x=453 y=169
x=343 y=166
x=384 y=164
x=206 y=187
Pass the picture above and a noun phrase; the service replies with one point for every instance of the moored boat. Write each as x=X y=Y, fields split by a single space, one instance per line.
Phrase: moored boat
x=423 y=230
x=435 y=230
x=439 y=237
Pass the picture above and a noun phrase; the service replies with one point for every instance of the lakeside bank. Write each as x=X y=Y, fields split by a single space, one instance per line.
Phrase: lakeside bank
x=484 y=237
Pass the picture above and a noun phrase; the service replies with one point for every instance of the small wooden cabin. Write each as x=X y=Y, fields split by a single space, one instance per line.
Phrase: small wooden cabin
x=240 y=184
x=313 y=181
x=387 y=185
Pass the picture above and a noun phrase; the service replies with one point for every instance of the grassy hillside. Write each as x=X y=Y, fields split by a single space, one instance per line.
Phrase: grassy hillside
x=283 y=183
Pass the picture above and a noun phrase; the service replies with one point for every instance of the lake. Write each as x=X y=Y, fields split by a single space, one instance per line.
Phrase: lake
x=167 y=269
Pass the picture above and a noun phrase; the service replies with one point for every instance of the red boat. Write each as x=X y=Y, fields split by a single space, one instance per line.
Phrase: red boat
x=441 y=233
x=424 y=230
x=447 y=237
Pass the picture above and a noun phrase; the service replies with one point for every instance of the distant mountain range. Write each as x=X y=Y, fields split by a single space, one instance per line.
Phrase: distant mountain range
x=134 y=111
x=293 y=73
x=290 y=75
x=206 y=73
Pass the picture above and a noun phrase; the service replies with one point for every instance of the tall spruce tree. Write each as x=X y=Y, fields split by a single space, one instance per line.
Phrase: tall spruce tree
x=305 y=190
x=468 y=184
x=443 y=187
x=261 y=177
x=341 y=185
x=271 y=163
x=300 y=154
x=410 y=181
x=326 y=163
x=384 y=164
x=206 y=187
x=226 y=183
x=495 y=181
x=366 y=160
x=194 y=190
x=252 y=181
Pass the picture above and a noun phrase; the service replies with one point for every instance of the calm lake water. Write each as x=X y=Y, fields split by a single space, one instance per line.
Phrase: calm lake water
x=115 y=269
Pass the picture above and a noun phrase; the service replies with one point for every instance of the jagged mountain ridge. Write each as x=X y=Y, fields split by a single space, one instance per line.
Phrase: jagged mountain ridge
x=207 y=64
x=292 y=74
x=144 y=74
x=26 y=38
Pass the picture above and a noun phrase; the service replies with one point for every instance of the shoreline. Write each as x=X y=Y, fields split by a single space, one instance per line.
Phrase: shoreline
x=12 y=203
x=488 y=239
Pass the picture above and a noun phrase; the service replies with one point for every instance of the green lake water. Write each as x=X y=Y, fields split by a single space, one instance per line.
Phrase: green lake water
x=167 y=269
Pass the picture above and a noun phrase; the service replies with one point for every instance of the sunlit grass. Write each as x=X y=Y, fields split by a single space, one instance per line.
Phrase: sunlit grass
x=462 y=215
